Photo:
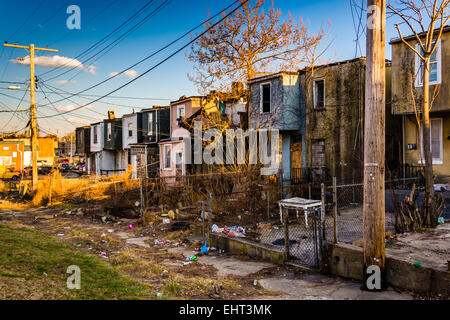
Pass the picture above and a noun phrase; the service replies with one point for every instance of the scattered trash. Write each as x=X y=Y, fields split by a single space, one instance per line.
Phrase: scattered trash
x=159 y=294
x=104 y=219
x=214 y=227
x=166 y=221
x=111 y=230
x=131 y=226
x=67 y=228
x=45 y=274
x=280 y=242
x=418 y=264
x=276 y=228
x=79 y=245
x=177 y=226
x=193 y=258
x=205 y=248
x=160 y=241
x=103 y=253
x=255 y=282
x=230 y=231
x=171 y=214
x=442 y=187
x=264 y=226
x=60 y=234
x=213 y=249
x=441 y=220
x=187 y=262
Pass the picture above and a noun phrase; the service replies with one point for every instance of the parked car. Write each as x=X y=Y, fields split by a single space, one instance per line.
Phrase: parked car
x=10 y=174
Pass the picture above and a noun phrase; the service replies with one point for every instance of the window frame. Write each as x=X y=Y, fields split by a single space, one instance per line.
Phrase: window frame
x=109 y=131
x=439 y=160
x=418 y=81
x=261 y=97
x=130 y=130
x=95 y=135
x=165 y=156
x=315 y=94
x=150 y=124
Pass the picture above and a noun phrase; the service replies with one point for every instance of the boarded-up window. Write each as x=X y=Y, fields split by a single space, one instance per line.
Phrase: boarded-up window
x=319 y=94
x=265 y=99
x=130 y=129
x=318 y=160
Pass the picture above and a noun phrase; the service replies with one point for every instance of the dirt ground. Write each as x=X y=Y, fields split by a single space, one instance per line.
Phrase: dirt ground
x=134 y=253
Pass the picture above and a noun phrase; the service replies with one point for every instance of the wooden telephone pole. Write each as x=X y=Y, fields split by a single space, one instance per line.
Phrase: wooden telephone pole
x=33 y=125
x=374 y=141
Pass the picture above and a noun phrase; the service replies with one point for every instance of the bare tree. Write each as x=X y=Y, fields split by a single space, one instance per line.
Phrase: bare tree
x=250 y=43
x=426 y=20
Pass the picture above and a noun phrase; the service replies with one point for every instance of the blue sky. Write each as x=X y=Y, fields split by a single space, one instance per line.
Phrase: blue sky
x=43 y=22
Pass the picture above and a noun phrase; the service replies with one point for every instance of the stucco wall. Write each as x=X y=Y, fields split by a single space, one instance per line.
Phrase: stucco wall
x=284 y=100
x=126 y=140
x=96 y=147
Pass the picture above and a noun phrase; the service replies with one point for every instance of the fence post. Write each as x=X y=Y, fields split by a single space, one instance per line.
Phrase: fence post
x=322 y=210
x=286 y=232
x=334 y=210
x=203 y=218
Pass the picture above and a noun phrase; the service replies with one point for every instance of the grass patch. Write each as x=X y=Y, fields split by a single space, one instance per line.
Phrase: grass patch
x=33 y=266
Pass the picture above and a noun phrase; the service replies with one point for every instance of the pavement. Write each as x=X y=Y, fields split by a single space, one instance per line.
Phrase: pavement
x=294 y=286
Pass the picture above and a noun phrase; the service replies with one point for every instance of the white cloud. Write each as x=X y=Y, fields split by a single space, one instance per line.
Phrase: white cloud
x=55 y=61
x=129 y=73
x=66 y=81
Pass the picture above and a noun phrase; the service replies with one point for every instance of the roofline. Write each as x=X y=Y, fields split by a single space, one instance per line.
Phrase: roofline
x=332 y=64
x=155 y=108
x=422 y=34
x=185 y=99
x=271 y=76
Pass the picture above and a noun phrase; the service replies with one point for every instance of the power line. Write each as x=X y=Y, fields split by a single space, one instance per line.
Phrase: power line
x=104 y=9
x=162 y=61
x=45 y=22
x=113 y=44
x=158 y=51
x=101 y=40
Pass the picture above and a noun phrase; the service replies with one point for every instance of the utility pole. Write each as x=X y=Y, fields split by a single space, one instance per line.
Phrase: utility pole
x=33 y=125
x=374 y=146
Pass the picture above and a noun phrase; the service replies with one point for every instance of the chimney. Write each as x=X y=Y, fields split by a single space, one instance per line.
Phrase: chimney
x=111 y=115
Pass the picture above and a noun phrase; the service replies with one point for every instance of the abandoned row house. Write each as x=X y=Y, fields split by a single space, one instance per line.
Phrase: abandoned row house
x=318 y=111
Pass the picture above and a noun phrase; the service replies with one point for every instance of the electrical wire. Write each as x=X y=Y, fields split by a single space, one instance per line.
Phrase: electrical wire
x=160 y=50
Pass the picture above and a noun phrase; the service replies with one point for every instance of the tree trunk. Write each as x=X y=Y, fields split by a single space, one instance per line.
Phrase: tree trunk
x=426 y=141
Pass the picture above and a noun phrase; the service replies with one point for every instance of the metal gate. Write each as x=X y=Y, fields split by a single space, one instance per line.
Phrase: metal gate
x=305 y=238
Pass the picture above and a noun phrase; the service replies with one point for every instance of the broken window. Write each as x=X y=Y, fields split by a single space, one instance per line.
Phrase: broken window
x=319 y=94
x=265 y=98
